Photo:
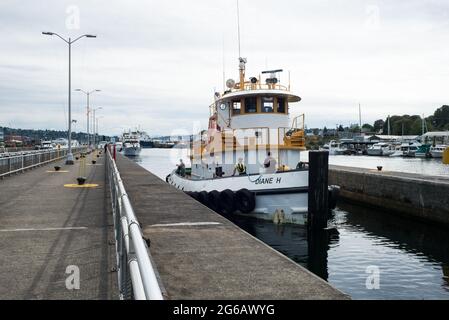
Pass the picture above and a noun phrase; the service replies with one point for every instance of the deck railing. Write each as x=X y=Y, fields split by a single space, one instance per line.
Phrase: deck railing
x=21 y=161
x=136 y=276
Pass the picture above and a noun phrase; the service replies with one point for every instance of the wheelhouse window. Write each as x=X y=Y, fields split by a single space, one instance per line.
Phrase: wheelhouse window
x=280 y=105
x=250 y=105
x=236 y=107
x=267 y=104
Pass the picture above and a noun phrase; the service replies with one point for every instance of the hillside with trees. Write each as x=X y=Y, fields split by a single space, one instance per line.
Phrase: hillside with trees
x=412 y=124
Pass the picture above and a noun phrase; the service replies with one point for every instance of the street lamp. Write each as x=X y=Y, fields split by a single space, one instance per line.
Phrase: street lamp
x=97 y=124
x=93 y=123
x=88 y=93
x=69 y=41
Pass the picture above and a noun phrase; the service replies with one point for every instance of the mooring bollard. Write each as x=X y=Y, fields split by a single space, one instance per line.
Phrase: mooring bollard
x=318 y=204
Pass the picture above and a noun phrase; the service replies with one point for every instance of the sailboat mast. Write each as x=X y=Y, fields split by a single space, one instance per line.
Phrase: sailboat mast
x=360 y=118
x=388 y=124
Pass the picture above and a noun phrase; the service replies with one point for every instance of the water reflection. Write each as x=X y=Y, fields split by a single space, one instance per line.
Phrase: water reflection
x=413 y=257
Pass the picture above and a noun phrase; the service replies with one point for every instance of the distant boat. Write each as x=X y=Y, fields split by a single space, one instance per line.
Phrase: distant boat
x=131 y=145
x=145 y=141
x=409 y=149
x=380 y=149
x=423 y=151
x=438 y=150
x=334 y=148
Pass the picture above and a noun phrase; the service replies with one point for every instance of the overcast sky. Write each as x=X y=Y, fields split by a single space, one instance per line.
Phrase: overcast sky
x=159 y=62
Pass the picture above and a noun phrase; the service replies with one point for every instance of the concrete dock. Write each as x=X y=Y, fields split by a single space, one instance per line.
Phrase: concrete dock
x=412 y=195
x=201 y=255
x=46 y=227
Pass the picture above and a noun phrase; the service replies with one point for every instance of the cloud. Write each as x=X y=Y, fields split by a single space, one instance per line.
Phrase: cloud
x=159 y=62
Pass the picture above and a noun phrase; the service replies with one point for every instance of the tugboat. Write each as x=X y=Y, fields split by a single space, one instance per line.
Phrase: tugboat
x=248 y=161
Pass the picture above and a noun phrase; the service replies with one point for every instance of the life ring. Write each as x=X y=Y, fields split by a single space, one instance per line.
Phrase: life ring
x=213 y=198
x=245 y=201
x=227 y=202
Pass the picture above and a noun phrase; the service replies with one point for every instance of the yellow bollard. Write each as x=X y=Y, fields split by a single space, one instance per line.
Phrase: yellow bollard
x=446 y=156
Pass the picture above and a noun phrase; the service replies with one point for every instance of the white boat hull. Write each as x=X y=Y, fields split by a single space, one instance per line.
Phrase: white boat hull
x=436 y=154
x=131 y=151
x=284 y=190
x=375 y=152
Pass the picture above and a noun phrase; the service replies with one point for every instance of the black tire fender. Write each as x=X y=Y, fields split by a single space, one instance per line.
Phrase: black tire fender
x=227 y=202
x=245 y=200
x=213 y=198
x=202 y=197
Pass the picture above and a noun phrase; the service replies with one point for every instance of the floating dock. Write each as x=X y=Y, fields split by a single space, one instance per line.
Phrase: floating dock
x=413 y=195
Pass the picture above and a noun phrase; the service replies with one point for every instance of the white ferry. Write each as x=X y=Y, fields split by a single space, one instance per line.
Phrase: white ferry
x=250 y=123
x=131 y=144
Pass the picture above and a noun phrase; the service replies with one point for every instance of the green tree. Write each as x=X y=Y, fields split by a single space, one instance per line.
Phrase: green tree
x=379 y=125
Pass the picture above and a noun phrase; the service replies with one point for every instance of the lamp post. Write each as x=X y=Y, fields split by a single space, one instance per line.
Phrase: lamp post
x=87 y=93
x=69 y=41
x=97 y=124
x=93 y=124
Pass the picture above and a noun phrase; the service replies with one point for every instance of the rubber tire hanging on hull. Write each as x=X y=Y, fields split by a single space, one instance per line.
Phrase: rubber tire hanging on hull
x=245 y=201
x=202 y=197
x=227 y=202
x=213 y=199
x=166 y=178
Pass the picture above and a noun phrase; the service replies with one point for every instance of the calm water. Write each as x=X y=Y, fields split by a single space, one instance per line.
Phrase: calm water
x=412 y=258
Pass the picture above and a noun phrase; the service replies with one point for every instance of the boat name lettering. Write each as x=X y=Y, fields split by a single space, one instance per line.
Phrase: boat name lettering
x=268 y=180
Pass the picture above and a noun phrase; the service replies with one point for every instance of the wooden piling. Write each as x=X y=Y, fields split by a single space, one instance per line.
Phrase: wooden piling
x=318 y=204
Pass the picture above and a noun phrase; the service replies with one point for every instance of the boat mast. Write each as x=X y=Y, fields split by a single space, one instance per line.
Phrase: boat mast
x=360 y=119
x=242 y=61
x=388 y=124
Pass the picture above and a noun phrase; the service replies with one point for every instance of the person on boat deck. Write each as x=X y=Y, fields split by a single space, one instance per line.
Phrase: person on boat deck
x=240 y=168
x=181 y=168
x=270 y=163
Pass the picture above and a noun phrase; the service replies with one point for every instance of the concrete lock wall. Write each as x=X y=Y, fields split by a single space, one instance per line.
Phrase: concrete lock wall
x=414 y=195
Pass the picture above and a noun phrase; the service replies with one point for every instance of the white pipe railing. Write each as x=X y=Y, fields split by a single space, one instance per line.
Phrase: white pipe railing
x=136 y=275
x=21 y=161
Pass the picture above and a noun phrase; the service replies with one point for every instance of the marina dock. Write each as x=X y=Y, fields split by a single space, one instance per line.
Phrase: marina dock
x=47 y=227
x=412 y=195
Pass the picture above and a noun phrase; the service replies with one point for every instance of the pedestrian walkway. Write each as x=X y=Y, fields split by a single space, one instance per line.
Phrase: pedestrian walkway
x=49 y=231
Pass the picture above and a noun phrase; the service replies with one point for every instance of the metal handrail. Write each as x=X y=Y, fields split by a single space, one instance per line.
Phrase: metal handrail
x=18 y=163
x=136 y=275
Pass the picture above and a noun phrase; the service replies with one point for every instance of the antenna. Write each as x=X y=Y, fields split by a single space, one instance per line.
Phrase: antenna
x=224 y=63
x=238 y=25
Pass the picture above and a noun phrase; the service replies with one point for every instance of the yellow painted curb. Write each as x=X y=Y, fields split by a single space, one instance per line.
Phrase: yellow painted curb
x=87 y=185
x=60 y=171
